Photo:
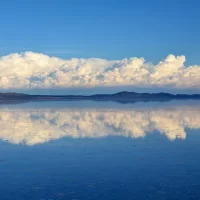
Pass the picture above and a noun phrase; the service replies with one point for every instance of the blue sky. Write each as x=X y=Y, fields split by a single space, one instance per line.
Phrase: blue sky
x=106 y=29
x=165 y=33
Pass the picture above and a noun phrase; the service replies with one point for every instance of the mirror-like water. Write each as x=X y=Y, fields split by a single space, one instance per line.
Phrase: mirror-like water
x=100 y=151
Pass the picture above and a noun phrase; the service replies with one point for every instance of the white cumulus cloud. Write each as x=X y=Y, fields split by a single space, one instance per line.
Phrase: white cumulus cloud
x=35 y=70
x=33 y=126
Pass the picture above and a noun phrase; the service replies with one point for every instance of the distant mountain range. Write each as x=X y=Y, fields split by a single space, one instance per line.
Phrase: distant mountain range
x=120 y=96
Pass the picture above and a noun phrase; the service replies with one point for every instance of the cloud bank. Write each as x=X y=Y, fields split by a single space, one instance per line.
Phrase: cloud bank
x=37 y=126
x=34 y=70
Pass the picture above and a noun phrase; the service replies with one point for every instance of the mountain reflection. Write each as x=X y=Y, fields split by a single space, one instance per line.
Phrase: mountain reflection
x=36 y=126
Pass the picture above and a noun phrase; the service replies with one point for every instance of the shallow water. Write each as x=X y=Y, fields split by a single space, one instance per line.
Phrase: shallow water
x=90 y=150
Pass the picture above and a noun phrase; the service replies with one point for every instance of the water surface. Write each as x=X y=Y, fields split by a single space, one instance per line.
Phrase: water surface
x=90 y=150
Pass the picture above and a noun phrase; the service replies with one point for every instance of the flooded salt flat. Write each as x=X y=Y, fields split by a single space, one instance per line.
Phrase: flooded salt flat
x=100 y=150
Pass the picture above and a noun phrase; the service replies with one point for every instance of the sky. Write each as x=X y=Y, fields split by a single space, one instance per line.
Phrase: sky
x=108 y=30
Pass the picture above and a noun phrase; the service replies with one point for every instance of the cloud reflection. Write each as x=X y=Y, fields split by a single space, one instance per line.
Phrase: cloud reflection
x=37 y=126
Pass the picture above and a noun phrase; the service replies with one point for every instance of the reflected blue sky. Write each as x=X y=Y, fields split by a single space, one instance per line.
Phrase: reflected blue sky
x=140 y=151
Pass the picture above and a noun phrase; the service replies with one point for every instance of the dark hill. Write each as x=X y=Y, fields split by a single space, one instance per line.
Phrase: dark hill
x=120 y=96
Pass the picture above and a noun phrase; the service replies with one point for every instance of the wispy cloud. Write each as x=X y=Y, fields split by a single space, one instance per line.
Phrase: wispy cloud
x=62 y=52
